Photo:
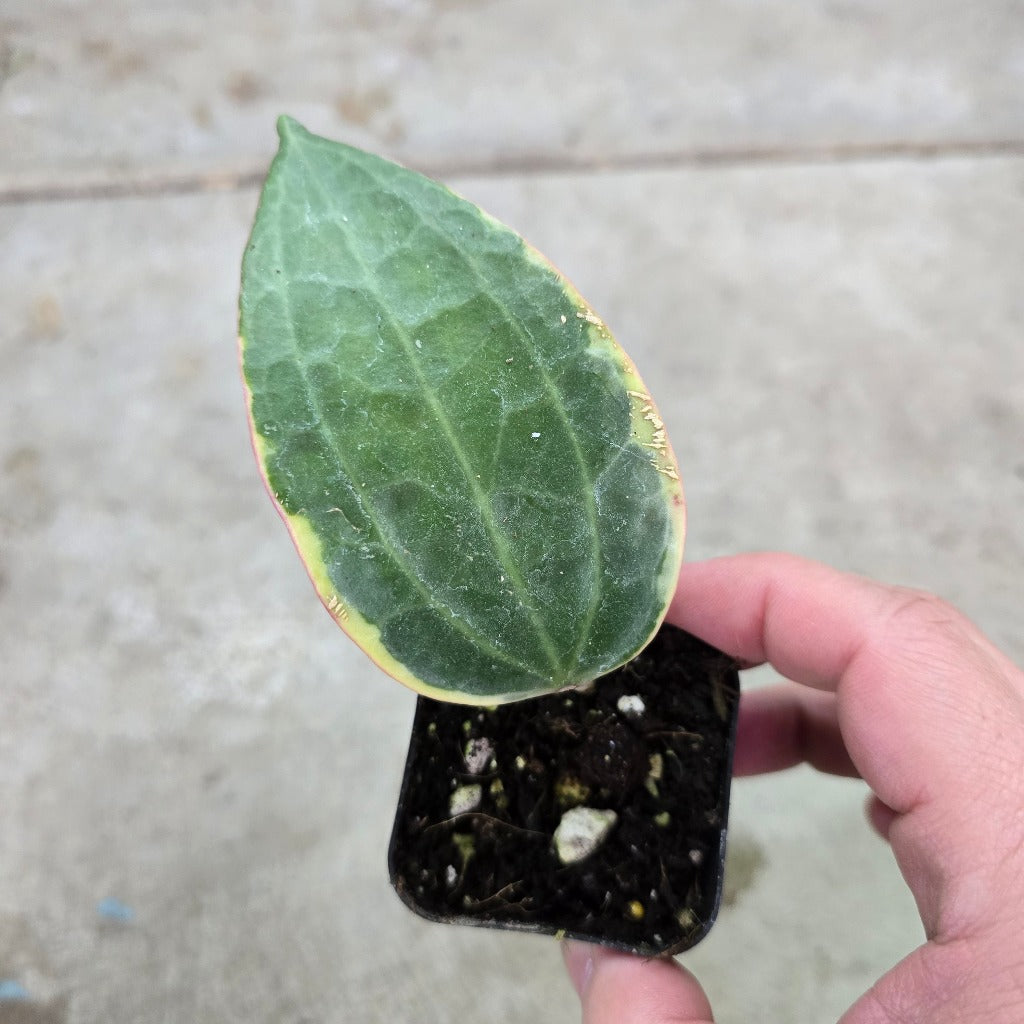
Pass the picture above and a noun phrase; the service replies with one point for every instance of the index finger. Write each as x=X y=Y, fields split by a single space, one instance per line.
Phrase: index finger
x=916 y=683
x=806 y=619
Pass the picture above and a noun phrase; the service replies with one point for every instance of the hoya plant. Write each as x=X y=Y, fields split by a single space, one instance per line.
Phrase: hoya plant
x=485 y=499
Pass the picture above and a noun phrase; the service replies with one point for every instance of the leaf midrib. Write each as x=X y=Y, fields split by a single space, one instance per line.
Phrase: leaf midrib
x=470 y=261
x=480 y=497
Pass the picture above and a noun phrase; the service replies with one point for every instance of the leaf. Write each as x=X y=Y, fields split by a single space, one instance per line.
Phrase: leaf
x=471 y=469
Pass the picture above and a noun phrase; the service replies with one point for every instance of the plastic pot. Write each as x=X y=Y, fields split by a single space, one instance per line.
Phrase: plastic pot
x=599 y=816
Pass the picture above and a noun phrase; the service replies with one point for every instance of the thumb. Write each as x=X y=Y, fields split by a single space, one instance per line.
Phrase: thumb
x=618 y=988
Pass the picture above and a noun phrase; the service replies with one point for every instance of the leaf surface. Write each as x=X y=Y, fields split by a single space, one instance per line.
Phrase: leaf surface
x=473 y=473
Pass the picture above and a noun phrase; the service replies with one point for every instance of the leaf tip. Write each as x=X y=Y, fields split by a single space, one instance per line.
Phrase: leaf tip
x=288 y=128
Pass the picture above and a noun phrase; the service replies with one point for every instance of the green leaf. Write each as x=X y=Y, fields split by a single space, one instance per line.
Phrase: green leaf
x=474 y=474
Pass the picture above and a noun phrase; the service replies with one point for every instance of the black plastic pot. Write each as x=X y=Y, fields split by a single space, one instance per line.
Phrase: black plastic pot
x=485 y=791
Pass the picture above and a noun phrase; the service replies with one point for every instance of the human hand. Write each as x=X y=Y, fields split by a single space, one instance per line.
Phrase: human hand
x=897 y=687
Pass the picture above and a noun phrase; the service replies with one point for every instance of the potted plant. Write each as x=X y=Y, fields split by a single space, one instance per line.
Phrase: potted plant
x=485 y=499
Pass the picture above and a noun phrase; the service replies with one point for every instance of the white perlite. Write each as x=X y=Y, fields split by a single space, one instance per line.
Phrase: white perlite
x=581 y=831
x=478 y=754
x=631 y=705
x=464 y=799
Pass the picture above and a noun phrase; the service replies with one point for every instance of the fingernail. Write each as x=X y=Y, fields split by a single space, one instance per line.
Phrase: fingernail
x=579 y=962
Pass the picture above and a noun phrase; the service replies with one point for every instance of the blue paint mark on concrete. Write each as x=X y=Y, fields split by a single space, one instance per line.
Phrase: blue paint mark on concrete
x=12 y=991
x=115 y=910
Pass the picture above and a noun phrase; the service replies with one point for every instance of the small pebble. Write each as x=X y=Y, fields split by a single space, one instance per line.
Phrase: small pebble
x=466 y=846
x=465 y=799
x=581 y=831
x=478 y=752
x=631 y=705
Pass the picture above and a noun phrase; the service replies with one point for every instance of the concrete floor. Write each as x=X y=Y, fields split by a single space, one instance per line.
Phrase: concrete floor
x=806 y=223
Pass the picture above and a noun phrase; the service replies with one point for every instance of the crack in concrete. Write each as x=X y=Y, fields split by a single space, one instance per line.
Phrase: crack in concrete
x=547 y=164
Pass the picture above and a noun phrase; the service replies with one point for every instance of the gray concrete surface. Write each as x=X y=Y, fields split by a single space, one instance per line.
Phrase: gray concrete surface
x=150 y=92
x=197 y=770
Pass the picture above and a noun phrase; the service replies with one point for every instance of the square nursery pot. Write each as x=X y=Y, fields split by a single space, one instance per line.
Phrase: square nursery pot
x=598 y=816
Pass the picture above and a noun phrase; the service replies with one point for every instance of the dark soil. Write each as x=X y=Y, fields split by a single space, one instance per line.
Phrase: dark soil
x=654 y=884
